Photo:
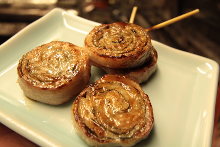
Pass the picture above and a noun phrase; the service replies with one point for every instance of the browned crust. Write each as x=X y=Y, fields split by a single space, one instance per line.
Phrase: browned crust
x=28 y=80
x=93 y=140
x=124 y=58
x=55 y=94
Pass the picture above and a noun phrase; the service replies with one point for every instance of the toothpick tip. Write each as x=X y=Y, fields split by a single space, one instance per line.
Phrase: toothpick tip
x=173 y=20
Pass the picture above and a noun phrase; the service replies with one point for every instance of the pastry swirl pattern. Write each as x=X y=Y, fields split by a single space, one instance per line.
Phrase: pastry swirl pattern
x=126 y=45
x=51 y=65
x=113 y=110
x=54 y=72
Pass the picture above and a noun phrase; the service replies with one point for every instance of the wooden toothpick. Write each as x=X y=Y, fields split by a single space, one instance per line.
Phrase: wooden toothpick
x=133 y=13
x=173 y=20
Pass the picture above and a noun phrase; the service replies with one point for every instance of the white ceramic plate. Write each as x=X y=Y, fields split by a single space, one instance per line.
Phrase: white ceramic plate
x=182 y=91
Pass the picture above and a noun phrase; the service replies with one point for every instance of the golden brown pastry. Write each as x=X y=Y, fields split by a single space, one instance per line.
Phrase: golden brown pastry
x=54 y=72
x=114 y=111
x=139 y=74
x=118 y=45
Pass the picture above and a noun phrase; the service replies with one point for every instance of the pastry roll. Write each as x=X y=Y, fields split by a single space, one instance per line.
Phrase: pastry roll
x=139 y=74
x=54 y=72
x=118 y=45
x=114 y=111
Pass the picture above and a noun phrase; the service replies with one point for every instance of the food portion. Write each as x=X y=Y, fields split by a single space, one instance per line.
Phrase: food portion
x=139 y=74
x=114 y=111
x=54 y=72
x=122 y=48
x=118 y=45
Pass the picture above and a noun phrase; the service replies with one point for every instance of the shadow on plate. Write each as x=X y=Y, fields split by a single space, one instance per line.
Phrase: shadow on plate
x=148 y=140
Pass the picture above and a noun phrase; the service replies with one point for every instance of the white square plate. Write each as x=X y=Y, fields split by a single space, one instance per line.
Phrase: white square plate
x=182 y=91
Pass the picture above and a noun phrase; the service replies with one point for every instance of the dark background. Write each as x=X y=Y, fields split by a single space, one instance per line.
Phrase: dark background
x=198 y=34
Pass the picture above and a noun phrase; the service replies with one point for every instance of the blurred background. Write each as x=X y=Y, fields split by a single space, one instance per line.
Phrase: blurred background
x=199 y=34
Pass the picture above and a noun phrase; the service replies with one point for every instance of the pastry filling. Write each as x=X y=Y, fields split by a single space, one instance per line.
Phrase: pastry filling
x=114 y=111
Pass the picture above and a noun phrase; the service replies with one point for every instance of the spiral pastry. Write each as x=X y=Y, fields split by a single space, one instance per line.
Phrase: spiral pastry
x=114 y=111
x=139 y=74
x=118 y=45
x=54 y=72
